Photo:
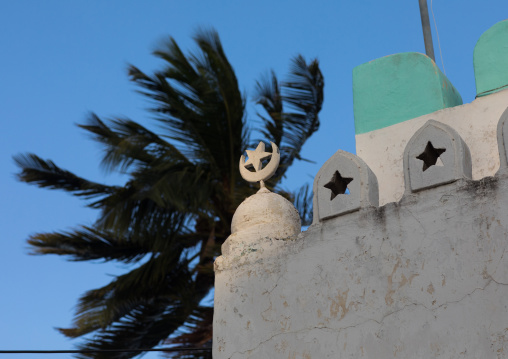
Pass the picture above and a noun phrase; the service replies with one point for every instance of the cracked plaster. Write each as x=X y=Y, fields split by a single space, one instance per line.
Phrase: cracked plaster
x=426 y=277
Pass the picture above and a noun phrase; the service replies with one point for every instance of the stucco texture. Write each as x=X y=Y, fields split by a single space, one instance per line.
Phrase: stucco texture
x=426 y=277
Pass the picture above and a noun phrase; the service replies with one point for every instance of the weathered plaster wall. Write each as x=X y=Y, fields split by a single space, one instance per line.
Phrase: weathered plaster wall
x=423 y=278
x=476 y=122
x=410 y=262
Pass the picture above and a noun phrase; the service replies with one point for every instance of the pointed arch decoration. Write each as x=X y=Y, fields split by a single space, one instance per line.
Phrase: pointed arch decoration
x=435 y=155
x=344 y=184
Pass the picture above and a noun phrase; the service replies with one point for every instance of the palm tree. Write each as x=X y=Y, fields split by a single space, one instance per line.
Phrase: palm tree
x=174 y=212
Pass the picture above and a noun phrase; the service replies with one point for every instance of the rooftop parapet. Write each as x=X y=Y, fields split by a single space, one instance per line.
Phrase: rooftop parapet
x=490 y=58
x=426 y=277
x=397 y=88
x=396 y=95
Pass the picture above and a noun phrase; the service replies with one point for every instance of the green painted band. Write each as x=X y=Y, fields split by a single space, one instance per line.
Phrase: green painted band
x=397 y=88
x=490 y=58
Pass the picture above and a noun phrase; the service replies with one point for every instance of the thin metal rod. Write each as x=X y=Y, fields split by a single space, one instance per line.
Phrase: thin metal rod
x=427 y=34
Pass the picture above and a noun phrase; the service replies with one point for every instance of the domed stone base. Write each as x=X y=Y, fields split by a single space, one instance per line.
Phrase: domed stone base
x=266 y=214
x=257 y=224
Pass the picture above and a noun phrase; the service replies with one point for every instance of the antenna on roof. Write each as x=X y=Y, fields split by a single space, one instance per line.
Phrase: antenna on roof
x=427 y=35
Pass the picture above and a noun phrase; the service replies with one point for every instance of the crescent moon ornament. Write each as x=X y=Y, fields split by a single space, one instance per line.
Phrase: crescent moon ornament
x=255 y=161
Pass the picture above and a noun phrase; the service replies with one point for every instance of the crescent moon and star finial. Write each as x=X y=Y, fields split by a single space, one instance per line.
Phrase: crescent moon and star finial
x=255 y=161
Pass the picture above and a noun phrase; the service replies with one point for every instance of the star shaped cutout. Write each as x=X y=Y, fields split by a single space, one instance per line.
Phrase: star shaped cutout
x=338 y=184
x=256 y=156
x=430 y=156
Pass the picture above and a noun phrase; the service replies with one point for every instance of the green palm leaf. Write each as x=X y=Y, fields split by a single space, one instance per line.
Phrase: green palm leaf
x=171 y=216
x=89 y=244
x=302 y=93
x=127 y=142
x=46 y=174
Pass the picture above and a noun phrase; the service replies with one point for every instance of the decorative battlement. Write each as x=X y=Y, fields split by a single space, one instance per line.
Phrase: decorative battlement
x=396 y=95
x=475 y=123
x=425 y=277
x=435 y=155
x=344 y=184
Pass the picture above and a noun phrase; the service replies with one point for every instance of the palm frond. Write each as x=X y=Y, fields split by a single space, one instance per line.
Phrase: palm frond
x=144 y=327
x=197 y=100
x=165 y=277
x=197 y=332
x=46 y=174
x=156 y=196
x=303 y=203
x=141 y=308
x=127 y=142
x=89 y=244
x=303 y=95
x=174 y=212
x=268 y=95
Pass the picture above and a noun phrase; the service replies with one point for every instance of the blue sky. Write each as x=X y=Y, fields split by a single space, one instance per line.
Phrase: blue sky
x=62 y=59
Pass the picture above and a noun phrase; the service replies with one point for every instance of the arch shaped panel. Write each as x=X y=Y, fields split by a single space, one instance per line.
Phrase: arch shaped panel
x=344 y=184
x=435 y=155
